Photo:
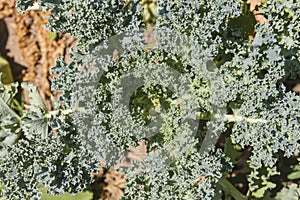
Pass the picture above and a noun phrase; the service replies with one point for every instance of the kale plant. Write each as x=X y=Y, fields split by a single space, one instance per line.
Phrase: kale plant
x=172 y=74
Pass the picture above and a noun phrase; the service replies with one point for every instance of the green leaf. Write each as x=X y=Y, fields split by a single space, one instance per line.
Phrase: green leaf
x=232 y=151
x=295 y=174
x=9 y=120
x=290 y=193
x=261 y=191
x=81 y=196
x=6 y=110
x=230 y=189
x=52 y=36
x=7 y=77
x=36 y=101
x=34 y=120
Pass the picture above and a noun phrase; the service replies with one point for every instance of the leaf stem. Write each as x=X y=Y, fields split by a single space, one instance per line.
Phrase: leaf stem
x=63 y=112
x=238 y=118
x=229 y=118
x=228 y=187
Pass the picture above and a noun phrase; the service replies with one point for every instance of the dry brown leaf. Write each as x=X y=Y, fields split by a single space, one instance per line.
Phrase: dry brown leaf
x=29 y=45
x=108 y=184
x=139 y=153
x=253 y=4
x=257 y=14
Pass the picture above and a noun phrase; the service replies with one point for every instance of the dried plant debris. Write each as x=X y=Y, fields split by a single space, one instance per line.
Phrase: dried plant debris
x=109 y=184
x=33 y=46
